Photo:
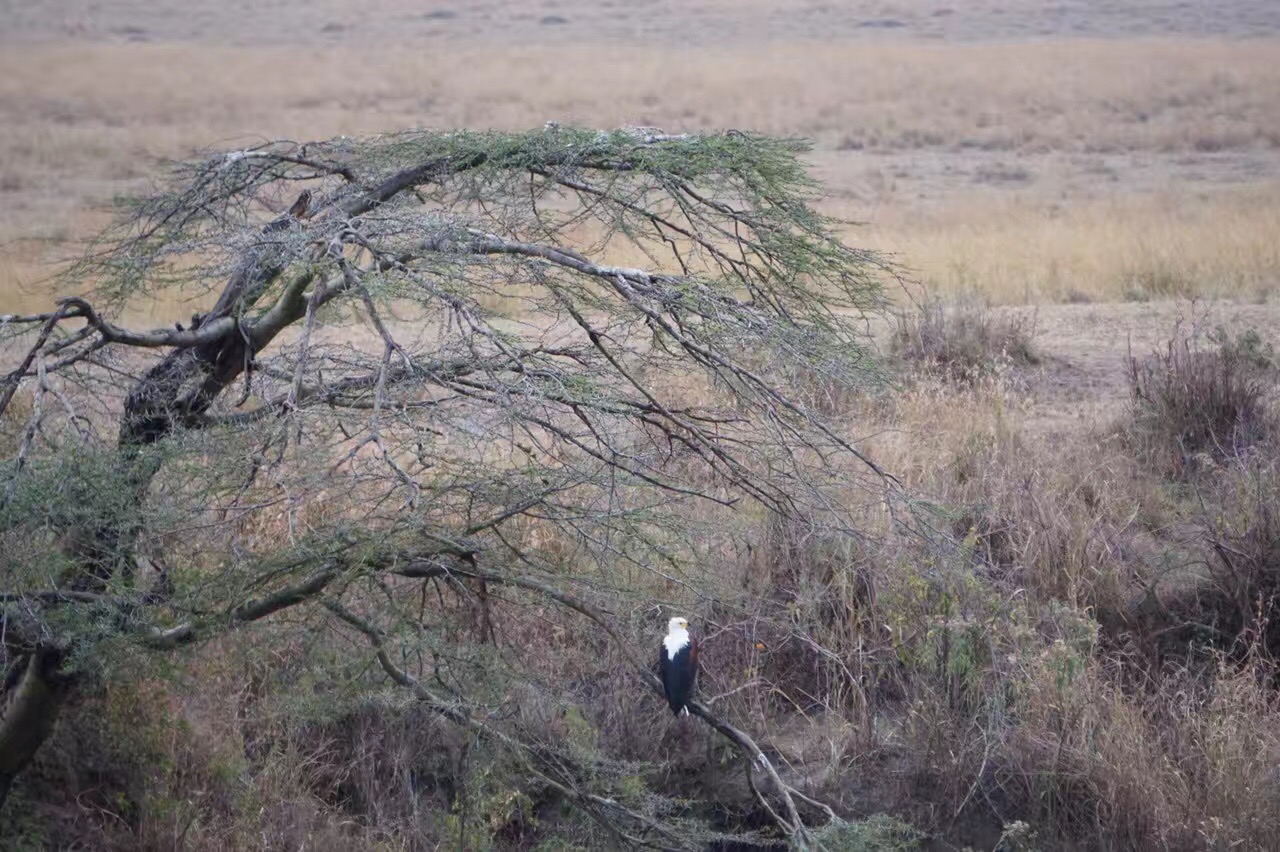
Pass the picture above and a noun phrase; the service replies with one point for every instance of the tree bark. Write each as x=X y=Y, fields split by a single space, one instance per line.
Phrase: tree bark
x=175 y=392
x=30 y=711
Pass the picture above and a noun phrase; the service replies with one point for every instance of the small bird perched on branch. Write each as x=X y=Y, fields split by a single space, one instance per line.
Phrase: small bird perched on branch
x=293 y=214
x=679 y=660
x=300 y=205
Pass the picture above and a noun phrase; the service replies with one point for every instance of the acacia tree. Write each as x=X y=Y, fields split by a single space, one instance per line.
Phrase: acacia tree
x=511 y=366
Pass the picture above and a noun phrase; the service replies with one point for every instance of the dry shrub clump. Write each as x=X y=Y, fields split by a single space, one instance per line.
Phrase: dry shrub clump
x=1181 y=766
x=120 y=774
x=964 y=340
x=1061 y=522
x=1082 y=654
x=1202 y=399
x=1231 y=604
x=812 y=611
x=1008 y=711
x=1054 y=517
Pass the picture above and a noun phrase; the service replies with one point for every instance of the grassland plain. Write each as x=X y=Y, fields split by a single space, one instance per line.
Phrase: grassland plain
x=1091 y=167
x=1100 y=169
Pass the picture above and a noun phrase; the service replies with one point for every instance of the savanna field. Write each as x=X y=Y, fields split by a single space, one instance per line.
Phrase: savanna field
x=1050 y=623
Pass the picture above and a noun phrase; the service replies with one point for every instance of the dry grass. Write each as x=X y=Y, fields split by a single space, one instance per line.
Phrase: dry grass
x=1082 y=96
x=1066 y=663
x=1030 y=249
x=1183 y=768
x=79 y=122
x=963 y=340
x=1196 y=402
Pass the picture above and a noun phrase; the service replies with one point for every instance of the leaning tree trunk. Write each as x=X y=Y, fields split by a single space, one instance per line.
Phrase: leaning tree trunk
x=203 y=361
x=173 y=393
x=35 y=694
x=36 y=687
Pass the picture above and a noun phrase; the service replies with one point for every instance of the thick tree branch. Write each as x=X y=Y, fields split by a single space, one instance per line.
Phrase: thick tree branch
x=28 y=713
x=252 y=610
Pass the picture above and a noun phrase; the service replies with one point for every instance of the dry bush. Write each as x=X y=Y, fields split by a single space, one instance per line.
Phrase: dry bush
x=1013 y=703
x=394 y=774
x=964 y=339
x=941 y=691
x=1081 y=757
x=1070 y=522
x=1013 y=712
x=1243 y=534
x=814 y=616
x=1200 y=397
x=119 y=775
x=1230 y=604
x=1183 y=767
x=1081 y=648
x=1067 y=519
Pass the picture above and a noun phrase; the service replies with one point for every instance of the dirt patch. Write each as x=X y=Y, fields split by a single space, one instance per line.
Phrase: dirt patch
x=1083 y=377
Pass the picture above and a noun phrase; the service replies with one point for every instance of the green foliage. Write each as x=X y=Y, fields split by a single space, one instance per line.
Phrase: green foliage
x=75 y=488
x=1247 y=346
x=488 y=817
x=205 y=220
x=879 y=833
x=21 y=823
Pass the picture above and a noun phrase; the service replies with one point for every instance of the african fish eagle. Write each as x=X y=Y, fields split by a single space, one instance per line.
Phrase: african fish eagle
x=679 y=658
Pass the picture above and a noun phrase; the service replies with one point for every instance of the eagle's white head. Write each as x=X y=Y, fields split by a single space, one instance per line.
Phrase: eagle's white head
x=677 y=635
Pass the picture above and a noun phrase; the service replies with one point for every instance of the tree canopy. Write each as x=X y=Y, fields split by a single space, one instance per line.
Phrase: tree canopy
x=466 y=398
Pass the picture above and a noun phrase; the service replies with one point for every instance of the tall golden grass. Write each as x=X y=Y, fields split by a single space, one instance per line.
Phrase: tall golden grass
x=81 y=122
x=1135 y=247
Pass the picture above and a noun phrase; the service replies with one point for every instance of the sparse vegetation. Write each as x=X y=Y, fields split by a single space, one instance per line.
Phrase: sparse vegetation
x=1200 y=398
x=964 y=340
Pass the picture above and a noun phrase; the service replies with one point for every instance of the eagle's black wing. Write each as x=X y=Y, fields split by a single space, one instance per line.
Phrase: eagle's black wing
x=678 y=675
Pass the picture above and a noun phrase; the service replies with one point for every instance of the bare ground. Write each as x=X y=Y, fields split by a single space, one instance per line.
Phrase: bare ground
x=1082 y=383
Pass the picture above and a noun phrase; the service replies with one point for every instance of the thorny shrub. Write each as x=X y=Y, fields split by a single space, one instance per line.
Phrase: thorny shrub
x=1200 y=400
